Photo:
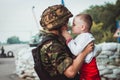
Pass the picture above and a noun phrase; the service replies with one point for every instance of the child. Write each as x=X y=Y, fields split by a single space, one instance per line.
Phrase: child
x=81 y=25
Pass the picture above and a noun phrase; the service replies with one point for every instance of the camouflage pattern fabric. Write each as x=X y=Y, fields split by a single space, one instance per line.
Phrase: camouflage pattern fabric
x=54 y=17
x=55 y=57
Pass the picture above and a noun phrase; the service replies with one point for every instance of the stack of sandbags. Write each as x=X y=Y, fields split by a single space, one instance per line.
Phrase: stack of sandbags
x=109 y=60
x=25 y=64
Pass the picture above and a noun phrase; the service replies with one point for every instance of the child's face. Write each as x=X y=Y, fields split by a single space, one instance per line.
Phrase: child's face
x=77 y=27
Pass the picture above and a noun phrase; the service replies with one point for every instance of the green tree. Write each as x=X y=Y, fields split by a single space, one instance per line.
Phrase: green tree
x=107 y=15
x=13 y=40
x=100 y=35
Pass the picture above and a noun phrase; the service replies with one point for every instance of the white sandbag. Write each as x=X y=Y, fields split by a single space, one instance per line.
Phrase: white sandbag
x=109 y=46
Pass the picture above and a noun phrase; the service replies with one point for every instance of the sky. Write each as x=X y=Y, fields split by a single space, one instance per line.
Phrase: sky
x=19 y=18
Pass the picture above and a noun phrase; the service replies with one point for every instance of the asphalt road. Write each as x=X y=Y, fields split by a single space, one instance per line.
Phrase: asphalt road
x=7 y=69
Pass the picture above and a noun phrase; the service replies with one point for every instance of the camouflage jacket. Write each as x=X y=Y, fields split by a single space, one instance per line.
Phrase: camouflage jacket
x=55 y=56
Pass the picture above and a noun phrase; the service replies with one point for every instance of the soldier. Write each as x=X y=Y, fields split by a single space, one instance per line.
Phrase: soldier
x=2 y=52
x=56 y=58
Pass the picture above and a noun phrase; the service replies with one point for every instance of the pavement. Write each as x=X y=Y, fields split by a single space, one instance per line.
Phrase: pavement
x=7 y=69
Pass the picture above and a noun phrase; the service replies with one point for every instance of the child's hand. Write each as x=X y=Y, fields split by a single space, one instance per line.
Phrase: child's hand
x=65 y=33
x=64 y=28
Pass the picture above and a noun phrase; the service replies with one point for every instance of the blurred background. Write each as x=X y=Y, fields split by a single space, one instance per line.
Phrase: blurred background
x=20 y=32
x=19 y=19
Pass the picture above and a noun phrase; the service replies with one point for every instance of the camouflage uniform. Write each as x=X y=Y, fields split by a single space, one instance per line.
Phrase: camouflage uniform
x=55 y=56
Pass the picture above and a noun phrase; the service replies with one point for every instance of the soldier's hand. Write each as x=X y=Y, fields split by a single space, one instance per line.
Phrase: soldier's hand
x=89 y=48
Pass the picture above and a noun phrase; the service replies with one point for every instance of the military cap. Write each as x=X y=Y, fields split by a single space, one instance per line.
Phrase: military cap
x=55 y=16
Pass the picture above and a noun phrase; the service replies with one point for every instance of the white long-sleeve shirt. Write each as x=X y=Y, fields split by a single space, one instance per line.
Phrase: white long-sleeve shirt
x=79 y=43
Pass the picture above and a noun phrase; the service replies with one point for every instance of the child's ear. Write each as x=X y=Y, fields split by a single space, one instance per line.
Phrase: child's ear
x=83 y=27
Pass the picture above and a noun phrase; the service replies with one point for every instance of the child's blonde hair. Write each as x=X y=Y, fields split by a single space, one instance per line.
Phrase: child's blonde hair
x=86 y=18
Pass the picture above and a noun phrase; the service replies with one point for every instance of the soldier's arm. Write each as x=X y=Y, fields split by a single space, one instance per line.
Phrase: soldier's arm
x=77 y=62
